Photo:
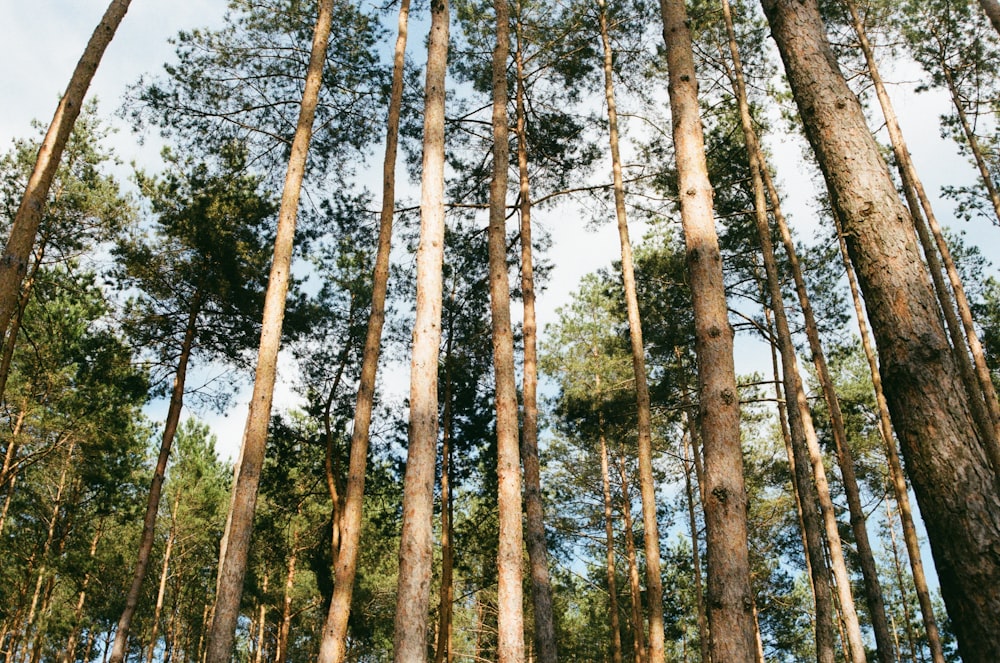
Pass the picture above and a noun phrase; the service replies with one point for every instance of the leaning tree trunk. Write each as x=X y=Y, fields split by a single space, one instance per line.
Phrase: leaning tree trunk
x=120 y=647
x=873 y=589
x=14 y=262
x=950 y=472
x=510 y=620
x=333 y=647
x=541 y=587
x=416 y=540
x=992 y=9
x=233 y=566
x=647 y=483
x=730 y=611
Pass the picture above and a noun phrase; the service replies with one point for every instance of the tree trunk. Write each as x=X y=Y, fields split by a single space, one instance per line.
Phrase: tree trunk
x=443 y=651
x=703 y=635
x=647 y=484
x=873 y=589
x=609 y=538
x=901 y=582
x=510 y=638
x=74 y=636
x=164 y=570
x=10 y=340
x=14 y=262
x=900 y=489
x=730 y=611
x=992 y=9
x=281 y=655
x=119 y=649
x=541 y=588
x=635 y=593
x=233 y=566
x=258 y=655
x=333 y=647
x=415 y=545
x=950 y=472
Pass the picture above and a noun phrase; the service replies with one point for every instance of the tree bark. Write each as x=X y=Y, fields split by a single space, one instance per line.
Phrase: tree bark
x=413 y=591
x=647 y=482
x=161 y=591
x=119 y=649
x=900 y=489
x=950 y=472
x=635 y=592
x=703 y=635
x=284 y=629
x=14 y=262
x=333 y=648
x=730 y=608
x=233 y=566
x=992 y=9
x=443 y=651
x=541 y=587
x=609 y=545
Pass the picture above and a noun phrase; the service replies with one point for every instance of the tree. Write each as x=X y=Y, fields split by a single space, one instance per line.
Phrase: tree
x=919 y=374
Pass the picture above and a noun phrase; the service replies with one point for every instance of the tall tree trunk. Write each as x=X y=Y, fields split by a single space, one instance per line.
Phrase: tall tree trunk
x=233 y=566
x=992 y=9
x=647 y=483
x=873 y=589
x=333 y=647
x=258 y=655
x=443 y=651
x=981 y=389
x=609 y=543
x=703 y=635
x=510 y=620
x=284 y=629
x=74 y=636
x=415 y=545
x=950 y=472
x=730 y=611
x=161 y=591
x=119 y=649
x=541 y=587
x=900 y=489
x=901 y=582
x=635 y=592
x=14 y=262
x=10 y=340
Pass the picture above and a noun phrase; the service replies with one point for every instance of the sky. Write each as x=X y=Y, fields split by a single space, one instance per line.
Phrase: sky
x=40 y=42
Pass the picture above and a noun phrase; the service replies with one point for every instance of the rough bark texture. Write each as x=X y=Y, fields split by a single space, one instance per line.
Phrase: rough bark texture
x=703 y=636
x=120 y=648
x=946 y=462
x=14 y=262
x=730 y=608
x=609 y=549
x=510 y=618
x=900 y=489
x=413 y=589
x=233 y=566
x=333 y=646
x=992 y=9
x=541 y=587
x=647 y=485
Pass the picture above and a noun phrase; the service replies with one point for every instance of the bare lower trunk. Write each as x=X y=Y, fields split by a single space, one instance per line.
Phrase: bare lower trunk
x=281 y=655
x=635 y=592
x=416 y=540
x=647 y=487
x=233 y=566
x=609 y=545
x=14 y=262
x=730 y=611
x=161 y=591
x=945 y=457
x=541 y=589
x=443 y=651
x=901 y=582
x=900 y=489
x=258 y=655
x=118 y=651
x=703 y=636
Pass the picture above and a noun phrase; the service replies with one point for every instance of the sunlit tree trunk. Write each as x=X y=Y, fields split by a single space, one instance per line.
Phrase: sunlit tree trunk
x=233 y=566
x=14 y=262
x=447 y=595
x=730 y=611
x=609 y=547
x=635 y=592
x=333 y=647
x=416 y=540
x=161 y=591
x=945 y=459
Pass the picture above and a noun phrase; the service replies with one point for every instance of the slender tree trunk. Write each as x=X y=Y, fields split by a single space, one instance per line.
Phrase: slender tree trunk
x=541 y=588
x=74 y=636
x=873 y=589
x=730 y=611
x=281 y=655
x=647 y=483
x=635 y=592
x=14 y=262
x=917 y=201
x=510 y=639
x=609 y=538
x=118 y=651
x=233 y=566
x=901 y=581
x=258 y=655
x=415 y=545
x=992 y=9
x=703 y=635
x=443 y=651
x=10 y=340
x=900 y=489
x=950 y=472
x=333 y=647
x=161 y=591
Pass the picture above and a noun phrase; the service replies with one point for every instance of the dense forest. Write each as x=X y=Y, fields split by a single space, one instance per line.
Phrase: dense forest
x=764 y=428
